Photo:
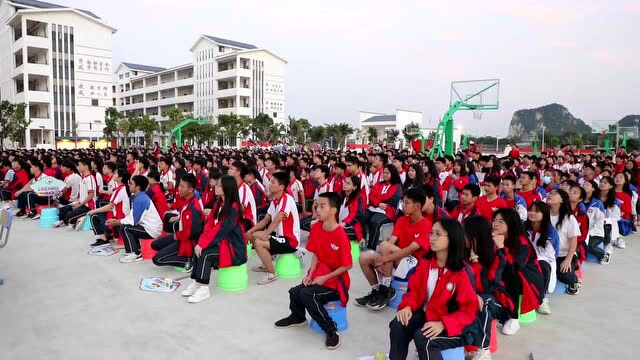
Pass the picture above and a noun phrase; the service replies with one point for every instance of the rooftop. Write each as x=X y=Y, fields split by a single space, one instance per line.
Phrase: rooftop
x=381 y=118
x=141 y=67
x=230 y=42
x=45 y=5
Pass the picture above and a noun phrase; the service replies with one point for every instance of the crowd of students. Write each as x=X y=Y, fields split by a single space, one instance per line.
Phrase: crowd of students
x=476 y=237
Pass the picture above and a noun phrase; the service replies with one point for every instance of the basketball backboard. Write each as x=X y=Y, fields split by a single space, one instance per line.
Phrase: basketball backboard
x=475 y=94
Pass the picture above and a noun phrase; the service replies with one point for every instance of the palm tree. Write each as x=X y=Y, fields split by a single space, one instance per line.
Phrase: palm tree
x=372 y=135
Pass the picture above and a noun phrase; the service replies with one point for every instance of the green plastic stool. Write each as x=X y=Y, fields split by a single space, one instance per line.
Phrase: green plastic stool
x=355 y=251
x=87 y=226
x=288 y=266
x=528 y=317
x=233 y=278
x=249 y=250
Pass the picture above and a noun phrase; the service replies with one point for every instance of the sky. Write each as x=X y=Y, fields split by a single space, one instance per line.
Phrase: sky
x=348 y=56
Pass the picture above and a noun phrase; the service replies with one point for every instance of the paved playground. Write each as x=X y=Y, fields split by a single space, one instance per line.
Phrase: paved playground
x=58 y=302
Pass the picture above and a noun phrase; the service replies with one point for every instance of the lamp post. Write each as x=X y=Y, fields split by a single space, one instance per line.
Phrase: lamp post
x=543 y=128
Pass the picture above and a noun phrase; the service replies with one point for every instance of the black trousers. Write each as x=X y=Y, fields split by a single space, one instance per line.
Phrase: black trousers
x=351 y=234
x=312 y=298
x=374 y=221
x=210 y=258
x=131 y=235
x=167 y=226
x=69 y=215
x=31 y=200
x=168 y=248
x=569 y=277
x=98 y=222
x=261 y=213
x=428 y=348
x=305 y=223
x=5 y=194
x=594 y=241
x=546 y=274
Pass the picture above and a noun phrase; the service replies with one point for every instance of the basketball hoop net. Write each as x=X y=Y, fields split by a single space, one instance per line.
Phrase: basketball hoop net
x=477 y=115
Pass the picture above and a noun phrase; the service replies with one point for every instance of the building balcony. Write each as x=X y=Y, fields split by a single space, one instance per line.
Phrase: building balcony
x=18 y=44
x=36 y=41
x=37 y=69
x=241 y=111
x=38 y=96
x=231 y=73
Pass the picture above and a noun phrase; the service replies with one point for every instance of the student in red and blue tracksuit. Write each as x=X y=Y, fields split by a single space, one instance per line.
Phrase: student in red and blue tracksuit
x=352 y=208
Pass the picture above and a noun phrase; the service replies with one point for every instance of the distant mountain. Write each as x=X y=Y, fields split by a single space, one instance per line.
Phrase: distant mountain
x=554 y=117
x=629 y=121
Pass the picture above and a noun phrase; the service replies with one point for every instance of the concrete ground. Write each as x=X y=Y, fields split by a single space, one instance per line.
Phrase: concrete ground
x=58 y=302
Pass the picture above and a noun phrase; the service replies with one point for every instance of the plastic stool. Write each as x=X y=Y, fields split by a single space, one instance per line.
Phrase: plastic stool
x=337 y=312
x=120 y=240
x=40 y=207
x=579 y=272
x=233 y=278
x=48 y=217
x=249 y=250
x=288 y=266
x=400 y=286
x=528 y=317
x=493 y=341
x=453 y=354
x=87 y=226
x=560 y=288
x=355 y=252
x=145 y=248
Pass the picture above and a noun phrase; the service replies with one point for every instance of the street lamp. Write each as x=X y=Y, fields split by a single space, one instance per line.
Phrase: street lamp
x=543 y=128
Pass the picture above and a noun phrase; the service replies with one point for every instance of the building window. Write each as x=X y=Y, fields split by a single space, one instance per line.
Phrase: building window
x=221 y=48
x=126 y=75
x=275 y=115
x=94 y=102
x=121 y=76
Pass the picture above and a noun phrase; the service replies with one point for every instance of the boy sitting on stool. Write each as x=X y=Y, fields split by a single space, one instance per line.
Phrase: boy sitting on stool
x=328 y=278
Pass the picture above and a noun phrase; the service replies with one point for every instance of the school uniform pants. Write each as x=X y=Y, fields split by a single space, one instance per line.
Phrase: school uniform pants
x=261 y=213
x=569 y=277
x=546 y=274
x=373 y=222
x=594 y=241
x=29 y=200
x=98 y=222
x=312 y=298
x=168 y=226
x=351 y=234
x=305 y=223
x=428 y=348
x=168 y=248
x=69 y=215
x=5 y=194
x=131 y=234
x=208 y=259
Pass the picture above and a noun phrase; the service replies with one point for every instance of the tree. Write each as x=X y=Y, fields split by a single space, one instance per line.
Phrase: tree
x=175 y=117
x=339 y=133
x=298 y=130
x=372 y=135
x=317 y=133
x=148 y=126
x=200 y=132
x=554 y=141
x=111 y=118
x=410 y=131
x=124 y=128
x=13 y=123
x=392 y=135
x=233 y=125
x=262 y=127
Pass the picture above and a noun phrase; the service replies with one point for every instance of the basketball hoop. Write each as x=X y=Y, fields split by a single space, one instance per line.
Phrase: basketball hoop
x=477 y=115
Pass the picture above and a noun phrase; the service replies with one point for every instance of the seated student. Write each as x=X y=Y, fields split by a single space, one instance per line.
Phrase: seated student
x=222 y=243
x=327 y=278
x=491 y=201
x=487 y=267
x=522 y=275
x=612 y=212
x=513 y=200
x=141 y=166
x=238 y=170
x=259 y=193
x=106 y=190
x=27 y=198
x=626 y=202
x=455 y=182
x=70 y=214
x=576 y=196
x=383 y=203
x=176 y=249
x=166 y=175
x=296 y=190
x=545 y=241
x=199 y=170
x=208 y=197
x=352 y=208
x=321 y=175
x=117 y=208
x=599 y=232
x=72 y=179
x=568 y=229
x=399 y=255
x=156 y=193
x=430 y=210
x=431 y=313
x=279 y=231
x=142 y=222
x=309 y=185
x=9 y=173
x=530 y=191
x=468 y=207
x=339 y=170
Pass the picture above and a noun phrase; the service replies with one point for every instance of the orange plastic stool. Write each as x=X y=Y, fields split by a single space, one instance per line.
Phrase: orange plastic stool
x=145 y=248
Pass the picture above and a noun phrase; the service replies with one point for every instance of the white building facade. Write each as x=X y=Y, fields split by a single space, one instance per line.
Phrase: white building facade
x=225 y=77
x=383 y=122
x=56 y=60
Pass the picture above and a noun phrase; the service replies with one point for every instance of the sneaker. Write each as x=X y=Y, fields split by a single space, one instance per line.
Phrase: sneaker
x=362 y=301
x=544 y=308
x=579 y=283
x=80 y=223
x=511 y=327
x=36 y=216
x=332 y=341
x=201 y=293
x=58 y=223
x=20 y=214
x=268 y=278
x=573 y=289
x=191 y=289
x=131 y=257
x=605 y=259
x=100 y=242
x=31 y=215
x=289 y=321
x=482 y=354
x=385 y=294
x=620 y=244
x=188 y=266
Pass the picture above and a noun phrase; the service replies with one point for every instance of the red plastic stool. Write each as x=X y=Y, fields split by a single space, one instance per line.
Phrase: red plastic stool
x=493 y=342
x=145 y=247
x=579 y=273
x=40 y=207
x=120 y=240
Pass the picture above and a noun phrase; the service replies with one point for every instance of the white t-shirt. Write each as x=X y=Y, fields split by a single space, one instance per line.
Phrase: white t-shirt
x=290 y=225
x=569 y=229
x=166 y=178
x=296 y=187
x=120 y=198
x=325 y=187
x=87 y=184
x=73 y=181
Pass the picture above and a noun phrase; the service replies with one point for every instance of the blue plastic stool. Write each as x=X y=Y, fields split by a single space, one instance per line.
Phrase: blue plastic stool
x=453 y=353
x=48 y=217
x=560 y=289
x=87 y=226
x=337 y=312
x=593 y=258
x=400 y=286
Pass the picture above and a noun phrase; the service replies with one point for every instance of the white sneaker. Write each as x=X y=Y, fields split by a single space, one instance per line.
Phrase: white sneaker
x=609 y=248
x=544 y=308
x=511 y=327
x=621 y=244
x=201 y=293
x=268 y=278
x=482 y=354
x=605 y=259
x=80 y=223
x=191 y=289
x=58 y=223
x=130 y=257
